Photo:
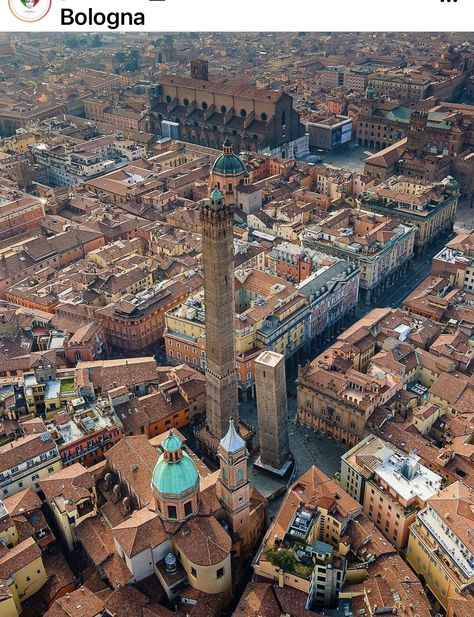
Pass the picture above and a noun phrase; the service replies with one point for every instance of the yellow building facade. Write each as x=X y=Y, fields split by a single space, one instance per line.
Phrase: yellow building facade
x=24 y=572
x=440 y=548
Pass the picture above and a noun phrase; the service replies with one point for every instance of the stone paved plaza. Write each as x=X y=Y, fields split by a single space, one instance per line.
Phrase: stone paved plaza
x=308 y=448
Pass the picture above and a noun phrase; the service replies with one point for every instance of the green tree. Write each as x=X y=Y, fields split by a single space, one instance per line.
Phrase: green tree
x=283 y=558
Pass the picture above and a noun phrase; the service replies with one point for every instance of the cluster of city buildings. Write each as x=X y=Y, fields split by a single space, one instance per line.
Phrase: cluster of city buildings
x=170 y=247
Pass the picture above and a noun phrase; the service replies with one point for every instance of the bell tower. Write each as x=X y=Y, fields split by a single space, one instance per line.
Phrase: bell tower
x=233 y=488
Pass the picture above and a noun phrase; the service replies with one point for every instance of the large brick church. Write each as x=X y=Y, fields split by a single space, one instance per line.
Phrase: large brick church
x=209 y=112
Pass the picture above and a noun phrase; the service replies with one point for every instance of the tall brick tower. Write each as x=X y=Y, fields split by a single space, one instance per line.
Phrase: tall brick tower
x=272 y=409
x=217 y=221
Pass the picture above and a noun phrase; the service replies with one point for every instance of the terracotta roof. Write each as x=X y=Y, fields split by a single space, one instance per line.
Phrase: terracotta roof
x=18 y=557
x=231 y=89
x=455 y=505
x=60 y=576
x=449 y=387
x=203 y=541
x=134 y=459
x=388 y=575
x=96 y=538
x=143 y=529
x=116 y=571
x=108 y=374
x=126 y=602
x=316 y=489
x=388 y=156
x=258 y=600
x=23 y=449
x=79 y=603
x=23 y=502
x=68 y=486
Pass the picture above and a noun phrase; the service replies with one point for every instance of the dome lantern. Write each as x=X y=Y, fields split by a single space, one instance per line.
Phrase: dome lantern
x=175 y=480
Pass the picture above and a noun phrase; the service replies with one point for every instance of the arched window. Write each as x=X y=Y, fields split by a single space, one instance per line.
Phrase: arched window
x=204 y=105
x=264 y=116
x=283 y=118
x=239 y=475
x=243 y=113
x=168 y=99
x=223 y=109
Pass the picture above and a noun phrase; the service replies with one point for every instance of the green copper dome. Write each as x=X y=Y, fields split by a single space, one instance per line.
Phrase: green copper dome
x=228 y=164
x=175 y=472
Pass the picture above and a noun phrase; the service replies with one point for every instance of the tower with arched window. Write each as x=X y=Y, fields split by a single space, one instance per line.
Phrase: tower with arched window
x=233 y=487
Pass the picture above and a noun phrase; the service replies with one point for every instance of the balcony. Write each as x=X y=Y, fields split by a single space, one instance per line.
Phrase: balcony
x=24 y=470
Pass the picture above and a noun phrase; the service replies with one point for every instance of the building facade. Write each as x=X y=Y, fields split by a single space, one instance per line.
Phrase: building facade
x=381 y=247
x=399 y=487
x=440 y=547
x=26 y=461
x=430 y=207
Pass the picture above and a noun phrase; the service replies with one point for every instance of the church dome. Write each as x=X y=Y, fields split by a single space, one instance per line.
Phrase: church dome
x=175 y=472
x=228 y=164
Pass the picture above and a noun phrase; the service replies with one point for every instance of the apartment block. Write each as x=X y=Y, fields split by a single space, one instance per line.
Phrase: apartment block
x=27 y=460
x=429 y=207
x=440 y=547
x=71 y=497
x=456 y=262
x=399 y=487
x=309 y=530
x=381 y=247
x=270 y=314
